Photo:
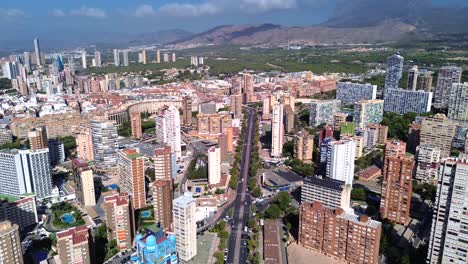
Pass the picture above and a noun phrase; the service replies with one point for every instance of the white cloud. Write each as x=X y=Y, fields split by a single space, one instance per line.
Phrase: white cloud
x=145 y=10
x=215 y=7
x=89 y=12
x=58 y=13
x=261 y=6
x=83 y=11
x=183 y=10
x=10 y=13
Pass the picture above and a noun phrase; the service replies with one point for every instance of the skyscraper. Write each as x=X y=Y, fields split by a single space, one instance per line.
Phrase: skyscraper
x=125 y=58
x=446 y=78
x=132 y=176
x=236 y=105
x=413 y=75
x=339 y=234
x=11 y=250
x=75 y=245
x=97 y=58
x=458 y=102
x=340 y=160
x=25 y=171
x=158 y=56
x=277 y=131
x=163 y=163
x=20 y=211
x=404 y=101
x=174 y=57
x=394 y=72
x=135 y=122
x=84 y=183
x=84 y=144
x=38 y=138
x=447 y=243
x=116 y=57
x=162 y=202
x=230 y=139
x=304 y=146
x=83 y=59
x=187 y=111
x=439 y=132
x=172 y=117
x=144 y=56
x=56 y=151
x=368 y=112
x=222 y=144
x=27 y=61
x=37 y=50
x=350 y=93
x=105 y=142
x=119 y=218
x=214 y=165
x=397 y=183
x=185 y=226
x=425 y=80
x=427 y=163
x=322 y=111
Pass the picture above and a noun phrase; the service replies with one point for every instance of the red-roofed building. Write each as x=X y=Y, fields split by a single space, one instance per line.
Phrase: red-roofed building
x=75 y=245
x=119 y=219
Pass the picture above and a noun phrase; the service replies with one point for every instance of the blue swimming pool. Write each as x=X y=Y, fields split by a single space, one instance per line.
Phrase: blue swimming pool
x=67 y=218
x=145 y=214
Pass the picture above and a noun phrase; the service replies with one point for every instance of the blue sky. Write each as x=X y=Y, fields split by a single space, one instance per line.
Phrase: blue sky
x=55 y=19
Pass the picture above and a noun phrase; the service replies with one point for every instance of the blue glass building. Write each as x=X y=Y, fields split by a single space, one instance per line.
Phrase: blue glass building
x=155 y=247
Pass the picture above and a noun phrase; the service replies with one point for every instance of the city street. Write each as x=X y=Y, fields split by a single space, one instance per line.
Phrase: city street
x=237 y=249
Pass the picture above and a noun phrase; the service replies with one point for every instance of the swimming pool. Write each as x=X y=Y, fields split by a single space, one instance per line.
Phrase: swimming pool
x=145 y=214
x=67 y=218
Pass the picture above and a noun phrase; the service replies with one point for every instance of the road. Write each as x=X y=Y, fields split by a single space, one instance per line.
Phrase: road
x=237 y=249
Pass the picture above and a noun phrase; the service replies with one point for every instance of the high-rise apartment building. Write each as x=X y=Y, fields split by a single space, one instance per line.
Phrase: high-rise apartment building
x=330 y=193
x=144 y=56
x=304 y=146
x=368 y=112
x=394 y=72
x=25 y=171
x=105 y=142
x=185 y=226
x=27 y=61
x=76 y=245
x=84 y=183
x=458 y=102
x=116 y=57
x=119 y=219
x=172 y=117
x=187 y=111
x=447 y=243
x=340 y=160
x=158 y=56
x=222 y=145
x=135 y=123
x=277 y=131
x=339 y=234
x=84 y=63
x=425 y=81
x=397 y=184
x=413 y=75
x=321 y=112
x=214 y=165
x=19 y=211
x=125 y=58
x=163 y=163
x=236 y=105
x=132 y=176
x=11 y=249
x=84 y=144
x=375 y=134
x=56 y=151
x=288 y=119
x=439 y=132
x=427 y=163
x=338 y=119
x=350 y=93
x=447 y=76
x=230 y=139
x=215 y=124
x=97 y=59
x=174 y=57
x=38 y=138
x=403 y=101
x=37 y=51
x=162 y=203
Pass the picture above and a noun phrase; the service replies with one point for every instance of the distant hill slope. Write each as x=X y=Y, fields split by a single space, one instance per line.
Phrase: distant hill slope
x=420 y=13
x=160 y=37
x=269 y=34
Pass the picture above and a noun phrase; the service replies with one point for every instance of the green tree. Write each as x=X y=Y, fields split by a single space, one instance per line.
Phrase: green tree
x=257 y=192
x=283 y=200
x=358 y=194
x=273 y=211
x=288 y=149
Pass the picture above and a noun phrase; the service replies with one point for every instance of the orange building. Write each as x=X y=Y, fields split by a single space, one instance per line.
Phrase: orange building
x=84 y=144
x=162 y=203
x=135 y=122
x=119 y=219
x=132 y=176
x=75 y=245
x=230 y=139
